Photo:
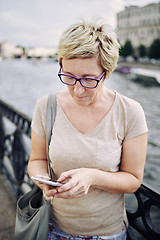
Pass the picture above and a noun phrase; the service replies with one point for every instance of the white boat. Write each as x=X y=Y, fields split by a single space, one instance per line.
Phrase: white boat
x=145 y=76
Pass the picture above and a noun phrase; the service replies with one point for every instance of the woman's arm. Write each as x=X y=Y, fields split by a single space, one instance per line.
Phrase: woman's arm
x=127 y=180
x=130 y=176
x=38 y=159
x=37 y=165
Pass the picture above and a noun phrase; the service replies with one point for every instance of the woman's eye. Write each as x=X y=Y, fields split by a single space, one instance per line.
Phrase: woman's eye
x=68 y=78
x=87 y=80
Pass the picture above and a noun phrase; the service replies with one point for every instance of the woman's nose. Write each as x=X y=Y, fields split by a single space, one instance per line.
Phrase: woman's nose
x=78 y=88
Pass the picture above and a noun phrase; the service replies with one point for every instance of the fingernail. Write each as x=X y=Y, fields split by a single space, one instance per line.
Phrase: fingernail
x=59 y=190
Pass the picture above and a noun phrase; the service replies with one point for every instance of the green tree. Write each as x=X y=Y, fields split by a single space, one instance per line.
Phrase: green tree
x=154 y=49
x=142 y=50
x=127 y=49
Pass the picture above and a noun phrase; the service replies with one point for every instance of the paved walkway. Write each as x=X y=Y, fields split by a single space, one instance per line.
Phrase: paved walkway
x=7 y=211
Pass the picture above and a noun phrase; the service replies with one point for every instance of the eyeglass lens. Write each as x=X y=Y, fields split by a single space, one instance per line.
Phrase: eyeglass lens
x=90 y=83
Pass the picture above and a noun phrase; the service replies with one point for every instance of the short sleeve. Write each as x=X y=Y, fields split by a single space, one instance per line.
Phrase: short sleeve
x=39 y=116
x=135 y=121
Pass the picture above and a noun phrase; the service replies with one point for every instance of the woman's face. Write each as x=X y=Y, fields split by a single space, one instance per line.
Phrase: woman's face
x=83 y=67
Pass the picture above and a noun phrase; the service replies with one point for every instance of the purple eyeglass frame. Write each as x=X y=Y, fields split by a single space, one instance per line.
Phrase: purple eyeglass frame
x=79 y=79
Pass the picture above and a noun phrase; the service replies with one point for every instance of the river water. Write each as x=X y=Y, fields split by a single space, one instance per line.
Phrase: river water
x=23 y=81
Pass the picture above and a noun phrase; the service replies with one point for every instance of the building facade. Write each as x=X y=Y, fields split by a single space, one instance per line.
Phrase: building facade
x=9 y=50
x=140 y=25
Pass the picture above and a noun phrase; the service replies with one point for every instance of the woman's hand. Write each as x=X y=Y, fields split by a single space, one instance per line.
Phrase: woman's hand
x=48 y=190
x=79 y=182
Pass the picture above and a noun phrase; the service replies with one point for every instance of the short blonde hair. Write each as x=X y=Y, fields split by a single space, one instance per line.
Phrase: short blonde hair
x=86 y=40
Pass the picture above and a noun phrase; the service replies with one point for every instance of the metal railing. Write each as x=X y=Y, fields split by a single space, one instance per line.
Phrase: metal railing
x=142 y=223
x=13 y=151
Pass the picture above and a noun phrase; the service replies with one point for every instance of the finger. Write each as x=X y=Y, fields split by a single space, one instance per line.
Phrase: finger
x=66 y=175
x=49 y=191
x=43 y=176
x=63 y=177
x=82 y=194
x=72 y=193
x=67 y=186
x=65 y=195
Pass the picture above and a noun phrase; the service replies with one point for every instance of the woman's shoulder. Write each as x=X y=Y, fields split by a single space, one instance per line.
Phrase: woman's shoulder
x=129 y=107
x=42 y=101
x=63 y=98
x=127 y=100
x=128 y=104
x=133 y=115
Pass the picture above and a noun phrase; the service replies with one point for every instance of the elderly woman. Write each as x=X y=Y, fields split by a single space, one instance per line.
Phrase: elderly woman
x=99 y=140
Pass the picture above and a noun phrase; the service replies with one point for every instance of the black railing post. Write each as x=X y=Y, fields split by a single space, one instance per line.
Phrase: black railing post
x=141 y=219
x=2 y=139
x=19 y=160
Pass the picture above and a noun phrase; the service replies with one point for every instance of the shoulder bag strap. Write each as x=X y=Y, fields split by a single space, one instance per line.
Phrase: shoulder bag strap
x=51 y=114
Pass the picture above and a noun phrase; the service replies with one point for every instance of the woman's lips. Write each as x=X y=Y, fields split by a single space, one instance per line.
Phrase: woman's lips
x=80 y=98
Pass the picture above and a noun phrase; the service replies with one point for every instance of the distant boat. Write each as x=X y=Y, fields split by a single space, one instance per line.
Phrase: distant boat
x=145 y=76
x=124 y=69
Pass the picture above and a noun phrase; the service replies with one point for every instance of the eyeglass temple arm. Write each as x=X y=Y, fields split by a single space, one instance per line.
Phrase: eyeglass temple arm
x=60 y=70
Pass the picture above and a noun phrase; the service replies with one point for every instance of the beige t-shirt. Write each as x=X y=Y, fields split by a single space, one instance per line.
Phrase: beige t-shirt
x=99 y=212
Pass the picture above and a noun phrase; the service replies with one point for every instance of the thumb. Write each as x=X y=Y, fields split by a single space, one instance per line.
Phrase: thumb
x=64 y=176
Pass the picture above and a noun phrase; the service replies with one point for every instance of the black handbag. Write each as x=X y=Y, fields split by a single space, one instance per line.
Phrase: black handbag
x=33 y=212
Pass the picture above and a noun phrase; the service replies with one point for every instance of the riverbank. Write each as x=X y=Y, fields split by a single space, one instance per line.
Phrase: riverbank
x=138 y=65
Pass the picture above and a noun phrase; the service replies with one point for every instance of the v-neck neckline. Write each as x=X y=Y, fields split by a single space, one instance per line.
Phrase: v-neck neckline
x=98 y=125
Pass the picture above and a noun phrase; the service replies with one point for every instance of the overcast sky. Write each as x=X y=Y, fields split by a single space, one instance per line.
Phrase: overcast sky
x=41 y=22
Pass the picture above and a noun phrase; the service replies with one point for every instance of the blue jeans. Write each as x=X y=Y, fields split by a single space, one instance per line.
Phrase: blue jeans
x=56 y=234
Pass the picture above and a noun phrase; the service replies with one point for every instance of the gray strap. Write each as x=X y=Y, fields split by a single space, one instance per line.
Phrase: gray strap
x=51 y=114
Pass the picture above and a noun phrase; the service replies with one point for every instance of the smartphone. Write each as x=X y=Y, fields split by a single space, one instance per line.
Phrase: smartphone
x=49 y=182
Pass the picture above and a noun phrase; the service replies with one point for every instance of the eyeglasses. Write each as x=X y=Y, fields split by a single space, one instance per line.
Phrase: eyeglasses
x=85 y=82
